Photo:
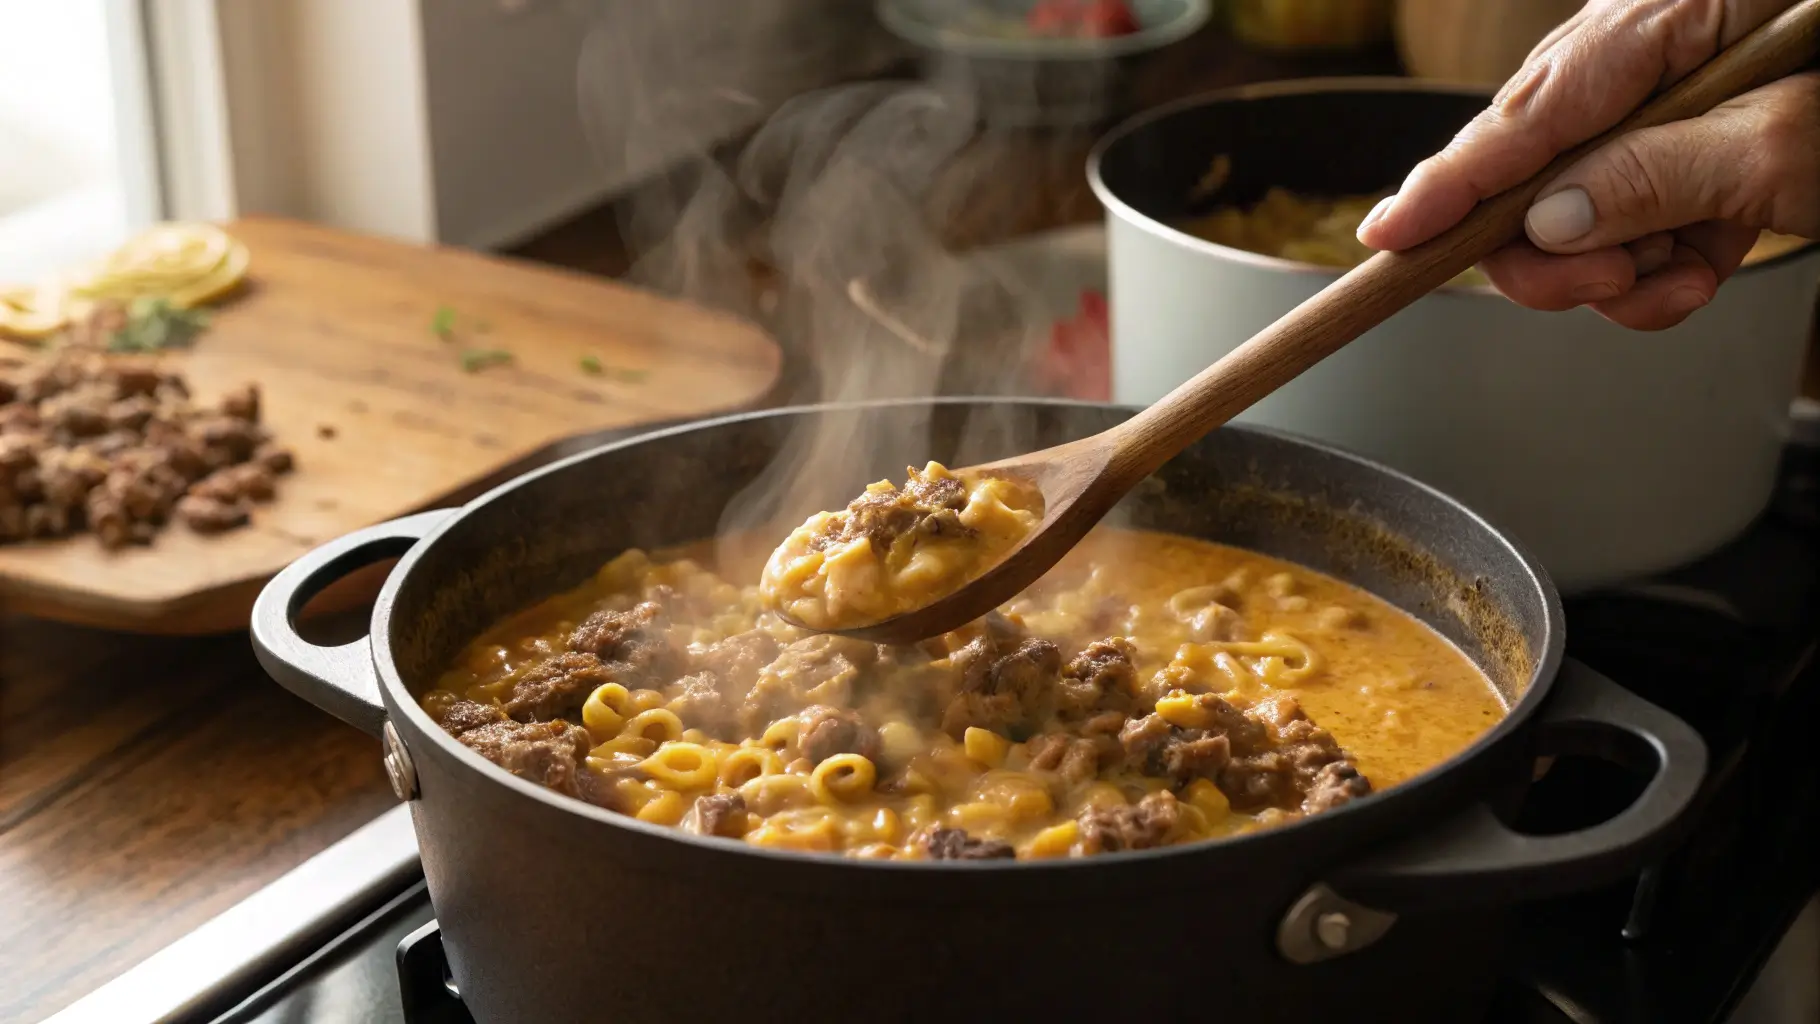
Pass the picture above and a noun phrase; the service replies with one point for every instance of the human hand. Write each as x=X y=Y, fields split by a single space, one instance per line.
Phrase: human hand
x=1646 y=228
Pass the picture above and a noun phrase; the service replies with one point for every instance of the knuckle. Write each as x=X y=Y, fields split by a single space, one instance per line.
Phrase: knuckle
x=1791 y=132
x=1525 y=91
x=1630 y=185
x=1784 y=166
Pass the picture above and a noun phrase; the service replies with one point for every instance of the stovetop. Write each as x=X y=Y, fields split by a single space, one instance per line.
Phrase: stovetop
x=1732 y=644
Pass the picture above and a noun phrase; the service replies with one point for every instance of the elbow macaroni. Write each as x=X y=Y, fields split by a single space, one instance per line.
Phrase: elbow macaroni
x=825 y=579
x=843 y=779
x=682 y=765
x=1229 y=623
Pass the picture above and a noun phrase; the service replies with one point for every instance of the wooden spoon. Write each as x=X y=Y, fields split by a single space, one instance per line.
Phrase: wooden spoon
x=1082 y=480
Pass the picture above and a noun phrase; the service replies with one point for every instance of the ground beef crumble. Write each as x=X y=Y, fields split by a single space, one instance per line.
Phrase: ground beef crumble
x=547 y=753
x=825 y=732
x=552 y=689
x=1140 y=826
x=1336 y=783
x=1299 y=768
x=956 y=844
x=463 y=715
x=1076 y=759
x=113 y=444
x=722 y=814
x=1304 y=770
x=636 y=641
x=1100 y=677
x=1007 y=691
x=926 y=505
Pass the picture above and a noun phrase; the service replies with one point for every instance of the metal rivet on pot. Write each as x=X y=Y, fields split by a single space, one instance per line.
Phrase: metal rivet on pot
x=398 y=766
x=1332 y=929
x=1323 y=924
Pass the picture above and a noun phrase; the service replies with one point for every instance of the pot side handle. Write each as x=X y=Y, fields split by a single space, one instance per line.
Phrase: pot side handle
x=1475 y=859
x=340 y=680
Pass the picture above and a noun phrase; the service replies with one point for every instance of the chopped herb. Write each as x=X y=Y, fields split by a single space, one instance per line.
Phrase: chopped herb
x=154 y=324
x=443 y=323
x=592 y=365
x=479 y=359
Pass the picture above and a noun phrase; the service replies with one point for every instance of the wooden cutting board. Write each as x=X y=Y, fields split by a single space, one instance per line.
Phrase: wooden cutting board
x=337 y=330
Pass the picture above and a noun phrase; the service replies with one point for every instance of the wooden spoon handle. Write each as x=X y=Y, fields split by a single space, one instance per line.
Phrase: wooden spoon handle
x=1381 y=286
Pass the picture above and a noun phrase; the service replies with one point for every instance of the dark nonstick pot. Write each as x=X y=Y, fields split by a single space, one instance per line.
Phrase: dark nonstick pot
x=1388 y=908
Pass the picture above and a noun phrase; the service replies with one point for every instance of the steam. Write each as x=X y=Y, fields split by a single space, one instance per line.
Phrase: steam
x=829 y=200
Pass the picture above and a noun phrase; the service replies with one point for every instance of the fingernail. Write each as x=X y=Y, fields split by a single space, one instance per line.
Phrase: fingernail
x=1683 y=301
x=1562 y=217
x=1598 y=291
x=1376 y=214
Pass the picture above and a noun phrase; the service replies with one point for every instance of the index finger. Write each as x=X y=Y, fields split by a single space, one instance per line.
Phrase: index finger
x=1579 y=84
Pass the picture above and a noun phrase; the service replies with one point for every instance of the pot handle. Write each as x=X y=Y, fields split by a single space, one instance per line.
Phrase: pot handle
x=340 y=680
x=1474 y=858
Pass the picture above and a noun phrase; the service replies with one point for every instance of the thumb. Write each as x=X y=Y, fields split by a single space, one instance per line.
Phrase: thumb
x=1652 y=180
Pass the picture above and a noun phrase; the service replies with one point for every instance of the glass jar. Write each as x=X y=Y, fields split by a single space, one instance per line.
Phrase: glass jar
x=1311 y=24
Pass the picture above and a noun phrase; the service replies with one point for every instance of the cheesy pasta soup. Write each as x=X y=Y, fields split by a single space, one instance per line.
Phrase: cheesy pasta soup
x=1324 y=231
x=1306 y=229
x=894 y=550
x=1150 y=690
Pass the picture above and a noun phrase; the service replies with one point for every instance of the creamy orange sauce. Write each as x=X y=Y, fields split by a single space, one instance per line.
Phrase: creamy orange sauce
x=1391 y=690
x=1237 y=664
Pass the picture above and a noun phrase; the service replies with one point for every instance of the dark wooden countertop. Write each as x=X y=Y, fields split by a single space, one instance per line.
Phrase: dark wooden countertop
x=146 y=784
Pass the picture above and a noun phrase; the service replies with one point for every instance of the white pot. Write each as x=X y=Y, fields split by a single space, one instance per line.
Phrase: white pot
x=1613 y=454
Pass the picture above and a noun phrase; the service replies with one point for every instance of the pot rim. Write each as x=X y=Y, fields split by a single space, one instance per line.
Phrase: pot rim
x=1116 y=205
x=400 y=702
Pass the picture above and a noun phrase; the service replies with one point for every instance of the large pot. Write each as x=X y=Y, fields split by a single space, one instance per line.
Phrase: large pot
x=552 y=910
x=1611 y=453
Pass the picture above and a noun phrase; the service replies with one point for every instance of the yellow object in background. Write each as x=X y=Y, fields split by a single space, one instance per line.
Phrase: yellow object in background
x=32 y=313
x=184 y=264
x=1482 y=42
x=1311 y=24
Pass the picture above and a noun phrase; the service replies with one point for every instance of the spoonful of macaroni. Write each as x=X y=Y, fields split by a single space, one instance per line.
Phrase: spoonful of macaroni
x=902 y=564
x=894 y=550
